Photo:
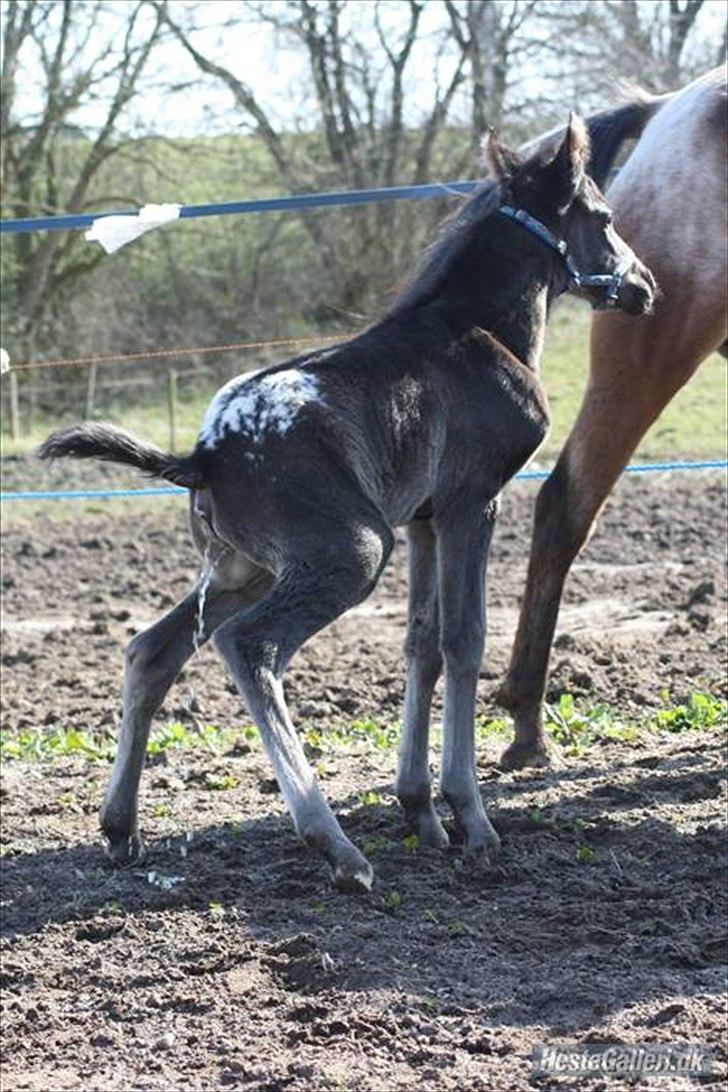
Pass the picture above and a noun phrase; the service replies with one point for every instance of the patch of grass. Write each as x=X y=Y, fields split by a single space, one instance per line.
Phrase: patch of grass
x=36 y=744
x=576 y=728
x=375 y=845
x=573 y=726
x=367 y=734
x=112 y=908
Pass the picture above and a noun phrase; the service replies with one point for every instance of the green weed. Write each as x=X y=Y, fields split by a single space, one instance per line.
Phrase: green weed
x=485 y=727
x=32 y=744
x=392 y=900
x=220 y=782
x=702 y=712
x=369 y=799
x=374 y=845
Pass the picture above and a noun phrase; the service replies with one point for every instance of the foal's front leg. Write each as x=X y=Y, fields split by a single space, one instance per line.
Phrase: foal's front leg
x=424 y=664
x=462 y=559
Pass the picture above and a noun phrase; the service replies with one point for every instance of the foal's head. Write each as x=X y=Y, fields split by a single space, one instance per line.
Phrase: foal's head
x=557 y=194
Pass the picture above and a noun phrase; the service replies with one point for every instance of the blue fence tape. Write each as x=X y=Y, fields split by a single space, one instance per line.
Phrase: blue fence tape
x=173 y=491
x=265 y=204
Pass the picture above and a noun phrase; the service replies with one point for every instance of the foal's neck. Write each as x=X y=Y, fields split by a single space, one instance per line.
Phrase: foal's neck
x=507 y=294
x=519 y=323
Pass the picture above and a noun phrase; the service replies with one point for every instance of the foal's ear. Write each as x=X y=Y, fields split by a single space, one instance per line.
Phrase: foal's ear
x=570 y=162
x=497 y=159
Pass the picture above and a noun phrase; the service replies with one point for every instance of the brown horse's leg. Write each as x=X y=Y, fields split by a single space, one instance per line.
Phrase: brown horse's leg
x=636 y=368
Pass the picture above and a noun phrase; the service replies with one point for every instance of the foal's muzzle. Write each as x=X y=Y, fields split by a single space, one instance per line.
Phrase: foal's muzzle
x=638 y=291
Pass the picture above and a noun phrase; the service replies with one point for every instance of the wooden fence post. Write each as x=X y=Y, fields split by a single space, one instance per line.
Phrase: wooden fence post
x=14 y=408
x=172 y=402
x=90 y=390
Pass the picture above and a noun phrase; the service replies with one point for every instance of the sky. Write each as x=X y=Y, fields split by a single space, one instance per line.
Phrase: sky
x=273 y=67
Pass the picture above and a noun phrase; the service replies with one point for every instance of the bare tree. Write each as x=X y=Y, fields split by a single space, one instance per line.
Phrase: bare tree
x=72 y=54
x=368 y=141
x=491 y=35
x=589 y=44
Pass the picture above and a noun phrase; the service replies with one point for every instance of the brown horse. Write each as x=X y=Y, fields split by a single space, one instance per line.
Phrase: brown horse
x=670 y=203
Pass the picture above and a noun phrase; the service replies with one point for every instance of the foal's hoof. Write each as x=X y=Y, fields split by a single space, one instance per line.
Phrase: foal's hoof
x=352 y=872
x=481 y=851
x=519 y=755
x=125 y=850
x=427 y=825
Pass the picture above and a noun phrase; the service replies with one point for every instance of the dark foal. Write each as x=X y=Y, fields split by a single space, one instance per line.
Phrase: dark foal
x=302 y=471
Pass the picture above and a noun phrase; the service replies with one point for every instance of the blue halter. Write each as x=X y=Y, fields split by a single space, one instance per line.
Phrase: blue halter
x=611 y=282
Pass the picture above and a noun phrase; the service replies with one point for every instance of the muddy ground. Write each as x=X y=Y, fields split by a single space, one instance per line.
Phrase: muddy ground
x=251 y=972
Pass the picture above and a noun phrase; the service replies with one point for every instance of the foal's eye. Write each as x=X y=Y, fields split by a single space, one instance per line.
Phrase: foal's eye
x=605 y=217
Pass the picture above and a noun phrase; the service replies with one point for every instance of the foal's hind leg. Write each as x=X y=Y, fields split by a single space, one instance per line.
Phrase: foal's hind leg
x=154 y=658
x=636 y=368
x=258 y=643
x=424 y=664
x=462 y=548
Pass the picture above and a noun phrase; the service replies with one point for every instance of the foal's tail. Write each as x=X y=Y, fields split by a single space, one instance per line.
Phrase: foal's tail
x=115 y=445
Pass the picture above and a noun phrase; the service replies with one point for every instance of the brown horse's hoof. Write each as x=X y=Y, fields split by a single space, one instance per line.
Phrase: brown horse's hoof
x=520 y=755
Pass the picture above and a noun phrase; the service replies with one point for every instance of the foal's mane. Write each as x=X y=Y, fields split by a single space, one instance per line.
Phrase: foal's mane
x=455 y=234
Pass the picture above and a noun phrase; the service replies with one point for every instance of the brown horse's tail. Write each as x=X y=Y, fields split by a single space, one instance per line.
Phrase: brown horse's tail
x=115 y=445
x=609 y=129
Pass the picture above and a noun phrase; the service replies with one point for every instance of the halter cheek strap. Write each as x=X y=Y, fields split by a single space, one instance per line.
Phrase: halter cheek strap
x=611 y=282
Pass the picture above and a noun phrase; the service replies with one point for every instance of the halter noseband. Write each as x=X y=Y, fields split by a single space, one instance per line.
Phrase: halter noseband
x=611 y=282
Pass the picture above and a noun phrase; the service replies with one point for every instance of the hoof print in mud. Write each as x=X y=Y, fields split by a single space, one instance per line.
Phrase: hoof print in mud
x=477 y=862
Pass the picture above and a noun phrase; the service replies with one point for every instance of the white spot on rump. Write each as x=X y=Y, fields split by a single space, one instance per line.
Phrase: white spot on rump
x=258 y=404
